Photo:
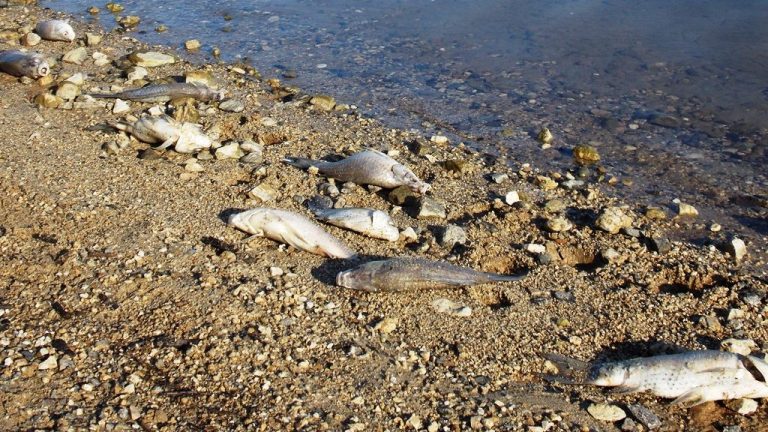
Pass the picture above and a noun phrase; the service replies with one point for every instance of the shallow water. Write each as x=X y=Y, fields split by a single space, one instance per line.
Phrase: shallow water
x=492 y=72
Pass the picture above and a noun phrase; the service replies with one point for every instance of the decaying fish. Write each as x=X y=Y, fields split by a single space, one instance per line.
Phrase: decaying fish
x=166 y=92
x=401 y=274
x=373 y=223
x=164 y=130
x=19 y=63
x=367 y=167
x=55 y=30
x=693 y=377
x=291 y=228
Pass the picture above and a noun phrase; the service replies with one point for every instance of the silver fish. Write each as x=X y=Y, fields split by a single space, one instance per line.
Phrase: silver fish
x=19 y=63
x=55 y=30
x=401 y=274
x=692 y=377
x=373 y=223
x=367 y=167
x=291 y=228
x=166 y=92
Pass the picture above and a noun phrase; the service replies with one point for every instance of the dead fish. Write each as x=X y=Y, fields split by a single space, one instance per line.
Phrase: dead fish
x=291 y=228
x=367 y=167
x=55 y=30
x=373 y=223
x=401 y=274
x=166 y=92
x=19 y=63
x=164 y=130
x=693 y=377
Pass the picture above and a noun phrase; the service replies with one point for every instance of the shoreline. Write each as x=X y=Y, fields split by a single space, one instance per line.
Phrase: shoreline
x=157 y=315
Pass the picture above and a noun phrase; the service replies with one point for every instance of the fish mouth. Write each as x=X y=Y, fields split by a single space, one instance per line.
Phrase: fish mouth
x=342 y=279
x=43 y=71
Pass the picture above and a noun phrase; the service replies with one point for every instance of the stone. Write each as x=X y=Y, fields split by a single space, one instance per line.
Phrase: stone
x=739 y=346
x=546 y=183
x=193 y=166
x=572 y=184
x=92 y=39
x=76 y=79
x=100 y=59
x=323 y=102
x=232 y=105
x=137 y=73
x=737 y=248
x=660 y=243
x=430 y=208
x=68 y=90
x=664 y=120
x=512 y=197
x=610 y=255
x=613 y=219
x=129 y=21
x=386 y=325
x=252 y=158
x=402 y=195
x=449 y=307
x=452 y=235
x=192 y=45
x=409 y=234
x=30 y=39
x=585 y=154
x=229 y=151
x=559 y=224
x=733 y=428
x=535 y=248
x=120 y=107
x=499 y=178
x=150 y=154
x=632 y=232
x=263 y=193
x=52 y=362
x=415 y=422
x=686 y=210
x=76 y=56
x=606 y=412
x=150 y=59
x=458 y=166
x=742 y=406
x=545 y=136
x=439 y=139
x=199 y=77
x=555 y=205
x=47 y=100
x=251 y=146
x=644 y=416
x=710 y=322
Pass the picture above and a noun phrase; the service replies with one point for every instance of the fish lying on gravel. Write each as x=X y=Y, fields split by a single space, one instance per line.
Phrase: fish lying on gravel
x=185 y=137
x=55 y=30
x=693 y=377
x=23 y=64
x=402 y=274
x=291 y=228
x=367 y=167
x=373 y=223
x=166 y=92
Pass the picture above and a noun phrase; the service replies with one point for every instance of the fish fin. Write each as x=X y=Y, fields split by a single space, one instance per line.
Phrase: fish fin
x=167 y=143
x=622 y=389
x=508 y=278
x=565 y=363
x=691 y=398
x=103 y=95
x=300 y=162
x=121 y=126
x=560 y=379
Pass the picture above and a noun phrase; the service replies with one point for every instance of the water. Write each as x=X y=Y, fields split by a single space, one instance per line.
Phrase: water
x=490 y=73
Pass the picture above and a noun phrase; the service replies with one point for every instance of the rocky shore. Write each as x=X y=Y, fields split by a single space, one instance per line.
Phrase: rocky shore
x=128 y=303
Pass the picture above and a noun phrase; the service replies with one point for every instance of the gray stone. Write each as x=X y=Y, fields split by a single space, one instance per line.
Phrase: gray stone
x=644 y=416
x=232 y=105
x=252 y=158
x=559 y=224
x=449 y=307
x=606 y=412
x=67 y=90
x=610 y=255
x=632 y=232
x=499 y=177
x=660 y=244
x=734 y=428
x=629 y=425
x=430 y=208
x=150 y=154
x=572 y=184
x=320 y=201
x=564 y=296
x=452 y=235
x=76 y=56
x=664 y=120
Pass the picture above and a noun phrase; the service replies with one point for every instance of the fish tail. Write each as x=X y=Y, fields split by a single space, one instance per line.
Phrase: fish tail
x=300 y=162
x=103 y=95
x=507 y=278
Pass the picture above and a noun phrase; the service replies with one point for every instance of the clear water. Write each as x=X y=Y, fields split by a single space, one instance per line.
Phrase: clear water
x=492 y=72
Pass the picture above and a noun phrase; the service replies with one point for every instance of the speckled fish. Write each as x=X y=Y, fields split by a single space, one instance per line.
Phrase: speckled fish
x=692 y=377
x=166 y=92
x=367 y=167
x=290 y=228
x=18 y=63
x=55 y=30
x=373 y=223
x=402 y=274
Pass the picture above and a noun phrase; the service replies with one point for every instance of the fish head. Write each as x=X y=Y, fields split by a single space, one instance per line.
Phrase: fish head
x=608 y=375
x=38 y=67
x=250 y=221
x=357 y=279
x=219 y=95
x=406 y=177
x=66 y=32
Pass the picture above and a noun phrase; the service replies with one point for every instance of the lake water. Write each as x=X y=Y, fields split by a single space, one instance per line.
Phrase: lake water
x=673 y=94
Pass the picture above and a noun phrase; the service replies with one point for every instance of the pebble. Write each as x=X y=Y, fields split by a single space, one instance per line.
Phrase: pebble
x=229 y=151
x=409 y=234
x=192 y=45
x=431 y=208
x=737 y=248
x=276 y=271
x=323 y=102
x=512 y=197
x=137 y=73
x=68 y=90
x=252 y=158
x=612 y=220
x=268 y=122
x=415 y=422
x=499 y=178
x=52 y=362
x=545 y=136
x=449 y=307
x=564 y=296
x=585 y=154
x=733 y=428
x=30 y=39
x=452 y=235
x=232 y=105
x=193 y=166
x=555 y=205
x=572 y=184
x=439 y=139
x=92 y=39
x=386 y=325
x=610 y=255
x=715 y=227
x=742 y=406
x=660 y=244
x=120 y=107
x=656 y=213
x=251 y=146
x=686 y=210
x=664 y=120
x=150 y=154
x=644 y=416
x=739 y=346
x=263 y=192
x=76 y=56
x=606 y=412
x=47 y=100
x=559 y=224
x=151 y=59
x=546 y=183
x=710 y=322
x=535 y=248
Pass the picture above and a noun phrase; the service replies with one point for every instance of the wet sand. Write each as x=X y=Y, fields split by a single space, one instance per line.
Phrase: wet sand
x=128 y=303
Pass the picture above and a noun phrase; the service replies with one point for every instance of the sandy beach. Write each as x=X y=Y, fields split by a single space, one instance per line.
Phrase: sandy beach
x=126 y=302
